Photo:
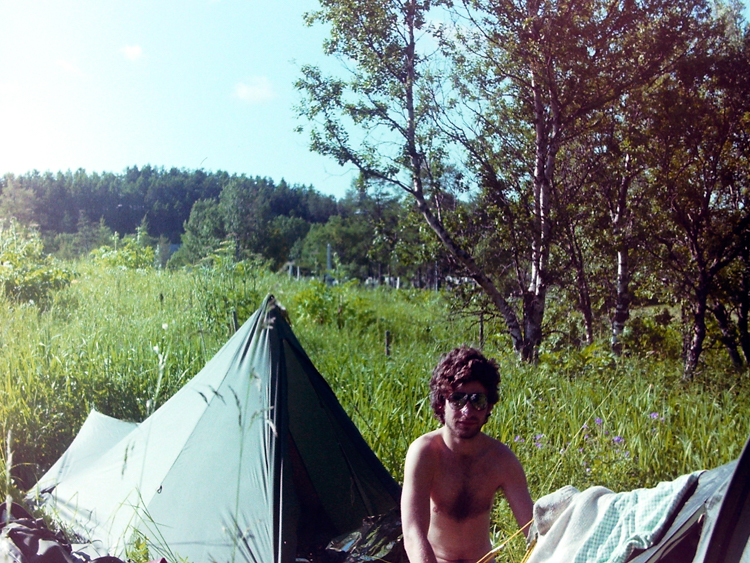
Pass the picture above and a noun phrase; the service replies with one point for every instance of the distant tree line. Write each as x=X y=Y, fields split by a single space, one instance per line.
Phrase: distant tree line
x=370 y=234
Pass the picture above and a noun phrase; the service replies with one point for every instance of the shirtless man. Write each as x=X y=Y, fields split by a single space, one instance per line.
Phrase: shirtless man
x=451 y=474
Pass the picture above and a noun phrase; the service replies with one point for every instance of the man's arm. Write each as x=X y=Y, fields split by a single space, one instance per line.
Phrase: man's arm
x=516 y=490
x=415 y=503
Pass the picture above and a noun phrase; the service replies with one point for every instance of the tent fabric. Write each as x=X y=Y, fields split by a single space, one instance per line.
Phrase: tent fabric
x=98 y=433
x=678 y=541
x=251 y=458
x=726 y=535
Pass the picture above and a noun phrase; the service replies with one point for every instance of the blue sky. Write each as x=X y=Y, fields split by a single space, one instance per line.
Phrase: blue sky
x=106 y=84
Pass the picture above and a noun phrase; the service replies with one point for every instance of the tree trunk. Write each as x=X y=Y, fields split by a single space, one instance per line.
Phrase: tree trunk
x=743 y=309
x=533 y=316
x=728 y=333
x=697 y=334
x=622 y=300
x=584 y=294
x=619 y=222
x=520 y=342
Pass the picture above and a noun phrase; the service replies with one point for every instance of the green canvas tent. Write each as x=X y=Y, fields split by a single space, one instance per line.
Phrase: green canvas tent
x=251 y=460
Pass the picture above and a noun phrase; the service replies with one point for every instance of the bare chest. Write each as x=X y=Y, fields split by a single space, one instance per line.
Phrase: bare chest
x=463 y=489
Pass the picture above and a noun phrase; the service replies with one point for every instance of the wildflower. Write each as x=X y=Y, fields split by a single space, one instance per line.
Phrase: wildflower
x=165 y=326
x=518 y=439
x=654 y=415
x=598 y=421
x=618 y=439
x=539 y=445
x=538 y=436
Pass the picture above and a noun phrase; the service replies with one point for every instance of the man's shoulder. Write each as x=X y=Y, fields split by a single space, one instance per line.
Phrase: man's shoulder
x=427 y=445
x=497 y=448
x=428 y=440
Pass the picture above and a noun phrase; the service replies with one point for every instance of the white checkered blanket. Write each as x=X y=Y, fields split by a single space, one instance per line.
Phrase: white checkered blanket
x=599 y=526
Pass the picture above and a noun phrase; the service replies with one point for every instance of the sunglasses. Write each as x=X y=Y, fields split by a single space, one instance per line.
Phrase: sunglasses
x=477 y=400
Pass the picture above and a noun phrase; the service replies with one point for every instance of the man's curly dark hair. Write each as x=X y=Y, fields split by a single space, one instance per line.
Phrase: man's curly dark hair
x=462 y=365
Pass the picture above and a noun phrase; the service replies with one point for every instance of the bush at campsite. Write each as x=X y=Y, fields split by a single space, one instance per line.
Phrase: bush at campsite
x=27 y=275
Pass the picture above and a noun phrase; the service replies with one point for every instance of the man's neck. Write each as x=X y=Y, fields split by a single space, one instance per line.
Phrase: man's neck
x=461 y=446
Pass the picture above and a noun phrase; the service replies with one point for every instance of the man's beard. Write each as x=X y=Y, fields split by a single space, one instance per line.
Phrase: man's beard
x=466 y=432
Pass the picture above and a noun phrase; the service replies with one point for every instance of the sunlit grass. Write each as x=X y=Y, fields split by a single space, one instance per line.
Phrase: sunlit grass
x=124 y=341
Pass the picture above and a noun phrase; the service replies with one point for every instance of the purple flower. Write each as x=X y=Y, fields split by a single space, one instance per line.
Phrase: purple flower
x=654 y=415
x=618 y=439
x=518 y=439
x=538 y=436
x=538 y=444
x=598 y=421
x=584 y=426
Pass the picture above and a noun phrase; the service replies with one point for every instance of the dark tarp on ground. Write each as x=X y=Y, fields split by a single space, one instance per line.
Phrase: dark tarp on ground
x=249 y=459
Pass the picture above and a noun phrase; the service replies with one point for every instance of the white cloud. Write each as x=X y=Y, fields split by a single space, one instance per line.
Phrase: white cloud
x=255 y=90
x=132 y=52
x=69 y=67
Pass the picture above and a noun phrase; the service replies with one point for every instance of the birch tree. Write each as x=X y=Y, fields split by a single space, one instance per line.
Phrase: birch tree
x=514 y=82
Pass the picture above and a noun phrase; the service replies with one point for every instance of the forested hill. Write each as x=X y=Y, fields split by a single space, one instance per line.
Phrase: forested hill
x=58 y=202
x=76 y=212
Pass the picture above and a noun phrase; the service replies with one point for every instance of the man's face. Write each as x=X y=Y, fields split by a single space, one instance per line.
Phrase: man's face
x=463 y=418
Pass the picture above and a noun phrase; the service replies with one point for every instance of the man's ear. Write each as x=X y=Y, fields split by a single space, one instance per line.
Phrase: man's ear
x=440 y=411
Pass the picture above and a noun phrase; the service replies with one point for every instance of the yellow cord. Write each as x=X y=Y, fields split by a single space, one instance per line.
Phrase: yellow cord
x=528 y=551
x=490 y=554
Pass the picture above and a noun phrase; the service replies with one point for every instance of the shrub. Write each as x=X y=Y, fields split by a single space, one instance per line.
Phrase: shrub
x=26 y=273
x=128 y=252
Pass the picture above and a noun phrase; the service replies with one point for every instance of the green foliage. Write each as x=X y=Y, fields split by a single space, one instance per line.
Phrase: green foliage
x=27 y=275
x=130 y=252
x=137 y=550
x=338 y=305
x=594 y=359
x=653 y=334
x=88 y=236
x=229 y=285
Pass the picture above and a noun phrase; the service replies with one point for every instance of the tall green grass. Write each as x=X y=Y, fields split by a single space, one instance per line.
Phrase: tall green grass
x=124 y=341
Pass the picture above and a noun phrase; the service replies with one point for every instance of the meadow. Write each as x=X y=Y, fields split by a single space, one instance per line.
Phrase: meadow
x=123 y=341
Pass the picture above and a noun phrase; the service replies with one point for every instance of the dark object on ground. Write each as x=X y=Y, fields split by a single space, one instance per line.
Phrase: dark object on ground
x=26 y=540
x=379 y=539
